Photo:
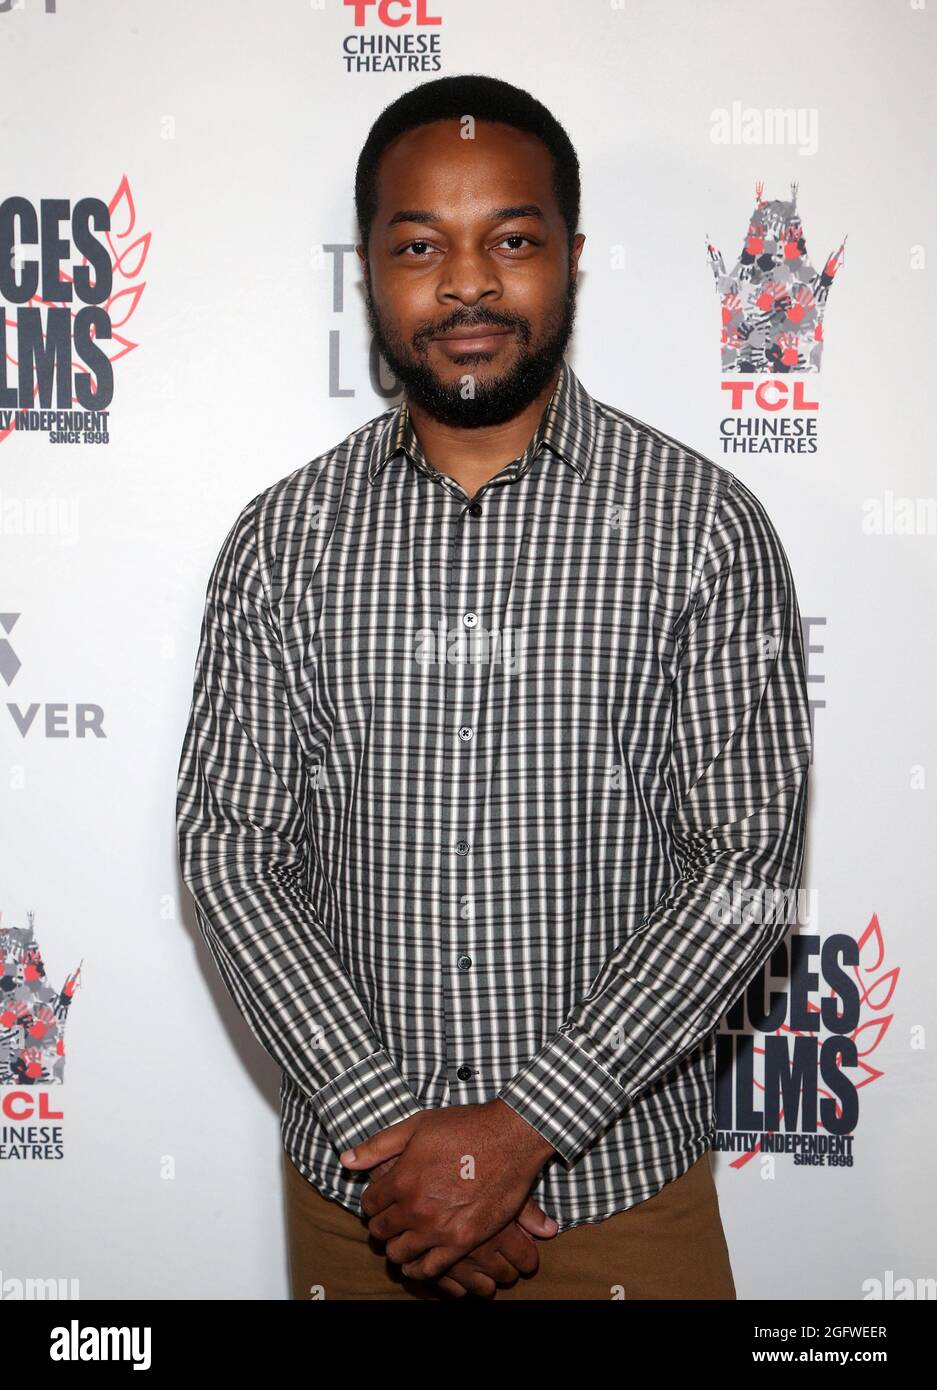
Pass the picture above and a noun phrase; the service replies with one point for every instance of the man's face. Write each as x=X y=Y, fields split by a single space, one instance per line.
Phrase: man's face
x=468 y=234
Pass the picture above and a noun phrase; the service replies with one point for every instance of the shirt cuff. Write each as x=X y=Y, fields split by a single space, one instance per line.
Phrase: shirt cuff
x=364 y=1099
x=565 y=1096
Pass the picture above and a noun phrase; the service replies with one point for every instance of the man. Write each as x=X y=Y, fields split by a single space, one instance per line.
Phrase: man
x=499 y=705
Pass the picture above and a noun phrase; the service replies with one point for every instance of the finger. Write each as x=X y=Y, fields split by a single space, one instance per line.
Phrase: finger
x=519 y=1248
x=436 y=1261
x=408 y=1247
x=509 y=1253
x=377 y=1172
x=384 y=1144
x=492 y=1263
x=533 y=1219
x=375 y=1198
x=472 y=1279
x=380 y=1192
x=450 y=1285
x=390 y=1223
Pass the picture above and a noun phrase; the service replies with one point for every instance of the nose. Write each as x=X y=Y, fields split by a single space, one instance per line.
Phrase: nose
x=469 y=277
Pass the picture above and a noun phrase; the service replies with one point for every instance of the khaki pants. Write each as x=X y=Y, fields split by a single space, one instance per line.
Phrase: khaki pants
x=670 y=1246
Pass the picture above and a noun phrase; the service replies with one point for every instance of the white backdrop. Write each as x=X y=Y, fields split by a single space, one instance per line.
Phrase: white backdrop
x=237 y=128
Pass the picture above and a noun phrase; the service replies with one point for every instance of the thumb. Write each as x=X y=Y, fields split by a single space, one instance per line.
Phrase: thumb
x=535 y=1221
x=384 y=1144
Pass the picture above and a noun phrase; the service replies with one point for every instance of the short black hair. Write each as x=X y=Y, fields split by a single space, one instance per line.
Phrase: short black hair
x=485 y=99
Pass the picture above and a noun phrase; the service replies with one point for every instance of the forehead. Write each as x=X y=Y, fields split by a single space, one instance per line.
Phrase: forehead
x=434 y=165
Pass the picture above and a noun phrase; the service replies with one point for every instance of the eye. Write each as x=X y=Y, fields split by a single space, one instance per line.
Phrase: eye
x=428 y=245
x=414 y=243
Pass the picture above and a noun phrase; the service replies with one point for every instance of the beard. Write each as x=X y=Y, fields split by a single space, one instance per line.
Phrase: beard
x=493 y=400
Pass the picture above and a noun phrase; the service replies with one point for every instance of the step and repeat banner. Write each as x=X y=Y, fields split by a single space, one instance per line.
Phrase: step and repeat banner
x=182 y=323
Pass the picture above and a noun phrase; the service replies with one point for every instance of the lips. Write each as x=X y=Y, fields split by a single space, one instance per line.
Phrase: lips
x=482 y=331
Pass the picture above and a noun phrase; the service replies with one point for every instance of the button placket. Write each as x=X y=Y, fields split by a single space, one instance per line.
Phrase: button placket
x=461 y=715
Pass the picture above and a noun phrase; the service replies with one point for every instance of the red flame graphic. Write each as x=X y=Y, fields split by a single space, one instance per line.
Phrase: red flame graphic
x=127 y=262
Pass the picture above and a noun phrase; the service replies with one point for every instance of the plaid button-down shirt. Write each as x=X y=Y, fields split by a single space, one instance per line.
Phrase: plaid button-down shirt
x=472 y=789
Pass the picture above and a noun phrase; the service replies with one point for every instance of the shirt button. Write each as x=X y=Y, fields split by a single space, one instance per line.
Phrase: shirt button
x=469 y=619
x=464 y=962
x=464 y=1073
x=476 y=509
x=462 y=847
x=465 y=733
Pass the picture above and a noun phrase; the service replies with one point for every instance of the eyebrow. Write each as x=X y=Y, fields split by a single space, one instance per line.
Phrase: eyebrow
x=494 y=214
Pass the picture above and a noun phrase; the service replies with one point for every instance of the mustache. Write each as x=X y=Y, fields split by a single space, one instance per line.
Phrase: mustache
x=474 y=321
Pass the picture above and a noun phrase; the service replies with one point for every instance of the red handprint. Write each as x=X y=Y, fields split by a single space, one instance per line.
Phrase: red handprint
x=803 y=302
x=731 y=307
x=755 y=240
x=13 y=1014
x=44 y=1023
x=772 y=291
x=28 y=1064
x=33 y=970
x=793 y=240
x=788 y=344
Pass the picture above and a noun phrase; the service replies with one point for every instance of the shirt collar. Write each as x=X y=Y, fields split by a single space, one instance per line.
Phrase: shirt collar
x=567 y=427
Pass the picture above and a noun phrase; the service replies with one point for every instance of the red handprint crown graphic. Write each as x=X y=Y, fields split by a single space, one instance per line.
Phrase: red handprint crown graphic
x=773 y=299
x=32 y=1013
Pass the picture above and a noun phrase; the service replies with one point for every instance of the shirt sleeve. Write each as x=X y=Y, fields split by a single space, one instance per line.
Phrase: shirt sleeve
x=741 y=749
x=242 y=786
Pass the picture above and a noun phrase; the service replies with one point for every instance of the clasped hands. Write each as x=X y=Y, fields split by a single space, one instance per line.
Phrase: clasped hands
x=449 y=1194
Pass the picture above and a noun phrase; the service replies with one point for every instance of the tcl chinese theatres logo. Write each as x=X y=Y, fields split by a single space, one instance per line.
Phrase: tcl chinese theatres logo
x=773 y=299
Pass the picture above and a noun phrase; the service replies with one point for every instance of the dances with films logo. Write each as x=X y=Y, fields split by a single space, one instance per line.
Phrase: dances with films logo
x=70 y=282
x=773 y=302
x=33 y=1016
x=795 y=1052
